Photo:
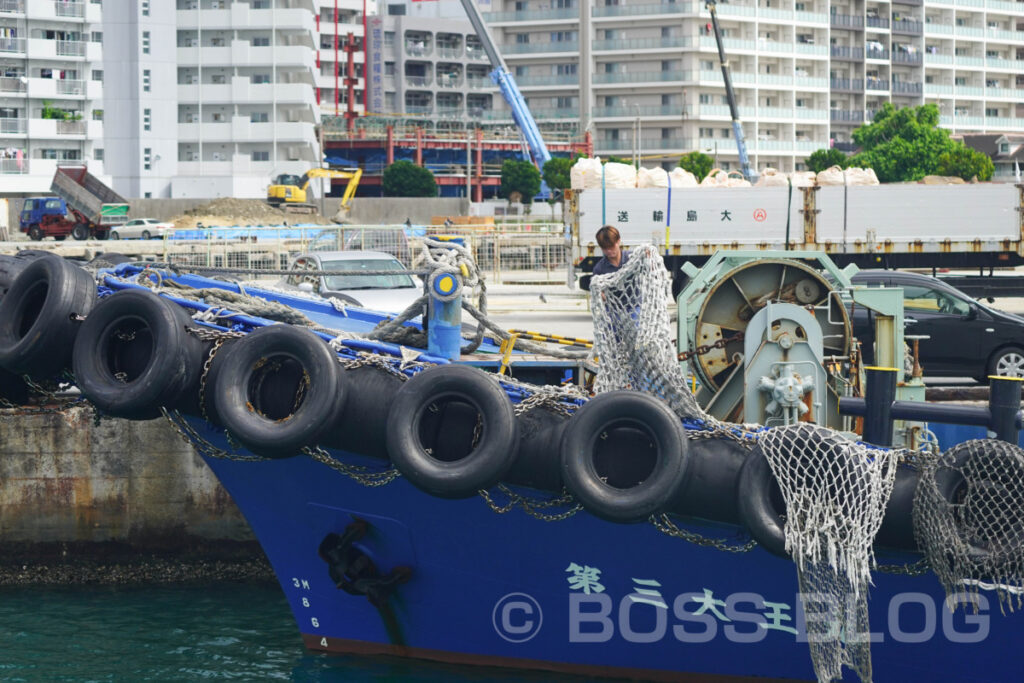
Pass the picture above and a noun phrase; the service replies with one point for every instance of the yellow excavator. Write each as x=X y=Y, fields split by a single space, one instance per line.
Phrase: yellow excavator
x=288 y=191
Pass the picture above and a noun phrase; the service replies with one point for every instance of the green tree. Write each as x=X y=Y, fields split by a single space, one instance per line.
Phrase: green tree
x=618 y=160
x=826 y=158
x=556 y=172
x=522 y=178
x=966 y=163
x=697 y=163
x=406 y=179
x=907 y=144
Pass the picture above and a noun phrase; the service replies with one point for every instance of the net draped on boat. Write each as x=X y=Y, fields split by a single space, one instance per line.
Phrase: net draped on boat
x=632 y=336
x=969 y=521
x=836 y=491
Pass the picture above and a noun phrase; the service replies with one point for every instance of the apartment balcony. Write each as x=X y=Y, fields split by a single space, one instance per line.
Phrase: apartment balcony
x=476 y=54
x=1015 y=124
x=542 y=81
x=631 y=112
x=875 y=53
x=542 y=48
x=13 y=126
x=641 y=43
x=811 y=17
x=54 y=129
x=877 y=22
x=449 y=52
x=240 y=129
x=795 y=146
x=730 y=10
x=737 y=77
x=419 y=81
x=938 y=90
x=1008 y=36
x=238 y=15
x=12 y=46
x=845 y=53
x=479 y=83
x=931 y=59
x=846 y=21
x=450 y=112
x=910 y=58
x=243 y=91
x=906 y=88
x=415 y=49
x=449 y=81
x=51 y=88
x=907 y=27
x=651 y=145
x=969 y=91
x=552 y=113
x=55 y=10
x=1016 y=94
x=636 y=77
x=13 y=85
x=936 y=29
x=977 y=122
x=12 y=6
x=1002 y=5
x=969 y=32
x=40 y=48
x=646 y=9
x=855 y=85
x=876 y=84
x=964 y=60
x=808 y=114
x=846 y=116
x=14 y=166
x=242 y=52
x=1015 y=65
x=914 y=3
x=537 y=16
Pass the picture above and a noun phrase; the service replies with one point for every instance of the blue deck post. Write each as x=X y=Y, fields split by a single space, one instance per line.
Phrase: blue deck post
x=444 y=314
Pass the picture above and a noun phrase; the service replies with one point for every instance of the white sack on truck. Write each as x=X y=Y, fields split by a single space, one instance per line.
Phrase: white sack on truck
x=771 y=177
x=682 y=178
x=585 y=174
x=618 y=175
x=652 y=177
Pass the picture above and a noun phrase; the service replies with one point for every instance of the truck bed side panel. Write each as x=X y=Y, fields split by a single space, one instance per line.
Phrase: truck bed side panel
x=931 y=213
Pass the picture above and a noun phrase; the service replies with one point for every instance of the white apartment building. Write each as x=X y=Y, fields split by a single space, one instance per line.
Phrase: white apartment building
x=220 y=95
x=645 y=75
x=51 y=91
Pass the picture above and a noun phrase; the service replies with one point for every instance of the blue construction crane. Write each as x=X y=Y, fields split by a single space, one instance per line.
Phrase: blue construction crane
x=509 y=90
x=737 y=128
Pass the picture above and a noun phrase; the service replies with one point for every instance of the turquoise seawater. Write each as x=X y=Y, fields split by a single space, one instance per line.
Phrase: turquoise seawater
x=220 y=631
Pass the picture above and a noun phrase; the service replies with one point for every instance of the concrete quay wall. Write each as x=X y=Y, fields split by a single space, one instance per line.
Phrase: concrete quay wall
x=65 y=479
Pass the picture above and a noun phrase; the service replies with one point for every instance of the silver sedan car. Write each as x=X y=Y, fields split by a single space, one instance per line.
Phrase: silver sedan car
x=143 y=228
x=389 y=293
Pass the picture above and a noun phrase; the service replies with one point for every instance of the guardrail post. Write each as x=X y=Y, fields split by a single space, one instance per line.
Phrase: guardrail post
x=1004 y=407
x=881 y=392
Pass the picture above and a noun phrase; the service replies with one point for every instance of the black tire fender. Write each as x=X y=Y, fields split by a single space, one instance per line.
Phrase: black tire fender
x=255 y=391
x=134 y=354
x=438 y=409
x=38 y=316
x=590 y=437
x=758 y=496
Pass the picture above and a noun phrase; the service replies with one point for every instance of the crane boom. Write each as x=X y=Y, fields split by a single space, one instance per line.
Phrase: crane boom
x=509 y=90
x=737 y=128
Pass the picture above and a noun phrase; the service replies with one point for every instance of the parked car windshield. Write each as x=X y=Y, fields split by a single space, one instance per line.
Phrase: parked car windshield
x=358 y=281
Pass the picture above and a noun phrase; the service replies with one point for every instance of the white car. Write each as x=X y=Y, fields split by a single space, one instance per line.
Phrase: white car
x=144 y=228
x=389 y=293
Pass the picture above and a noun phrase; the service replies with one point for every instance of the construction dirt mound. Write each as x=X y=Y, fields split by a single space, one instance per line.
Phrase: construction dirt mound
x=228 y=211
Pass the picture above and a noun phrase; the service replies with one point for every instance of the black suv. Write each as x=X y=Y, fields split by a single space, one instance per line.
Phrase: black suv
x=967 y=339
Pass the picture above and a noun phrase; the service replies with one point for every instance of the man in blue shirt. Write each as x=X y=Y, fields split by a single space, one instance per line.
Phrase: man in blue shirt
x=614 y=257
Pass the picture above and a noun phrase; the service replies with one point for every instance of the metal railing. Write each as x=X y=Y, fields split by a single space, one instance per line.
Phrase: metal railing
x=12 y=85
x=69 y=8
x=846 y=21
x=547 y=46
x=71 y=128
x=449 y=52
x=15 y=45
x=904 y=88
x=645 y=8
x=846 y=52
x=70 y=48
x=877 y=22
x=906 y=26
x=13 y=166
x=846 y=115
x=876 y=53
x=544 y=15
x=69 y=87
x=16 y=6
x=900 y=57
x=847 y=84
x=524 y=251
x=13 y=126
x=876 y=84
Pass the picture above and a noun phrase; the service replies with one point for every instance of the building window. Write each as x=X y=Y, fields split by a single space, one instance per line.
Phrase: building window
x=147 y=195
x=97 y=154
x=147 y=80
x=145 y=8
x=97 y=114
x=97 y=74
x=259 y=117
x=991 y=111
x=145 y=42
x=1004 y=148
x=261 y=155
x=261 y=41
x=704 y=98
x=97 y=36
x=147 y=119
x=147 y=159
x=260 y=78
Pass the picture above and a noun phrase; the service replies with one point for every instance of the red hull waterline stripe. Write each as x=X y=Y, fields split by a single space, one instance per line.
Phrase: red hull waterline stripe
x=362 y=647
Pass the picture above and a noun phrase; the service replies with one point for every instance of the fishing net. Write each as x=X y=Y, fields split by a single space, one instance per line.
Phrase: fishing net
x=969 y=521
x=835 y=492
x=632 y=336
